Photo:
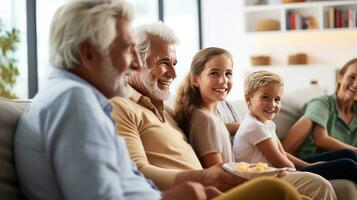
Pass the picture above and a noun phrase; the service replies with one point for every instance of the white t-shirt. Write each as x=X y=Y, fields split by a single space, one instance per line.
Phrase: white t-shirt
x=250 y=133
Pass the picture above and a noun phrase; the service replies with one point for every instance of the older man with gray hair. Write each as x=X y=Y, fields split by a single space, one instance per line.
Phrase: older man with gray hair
x=65 y=143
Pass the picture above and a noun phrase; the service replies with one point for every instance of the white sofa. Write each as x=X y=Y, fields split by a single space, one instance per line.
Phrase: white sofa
x=291 y=110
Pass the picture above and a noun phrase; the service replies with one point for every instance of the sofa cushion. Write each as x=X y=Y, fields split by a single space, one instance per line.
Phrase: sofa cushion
x=10 y=112
x=344 y=189
x=292 y=105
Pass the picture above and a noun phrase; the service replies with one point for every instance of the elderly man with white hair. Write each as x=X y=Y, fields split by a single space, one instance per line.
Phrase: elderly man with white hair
x=65 y=143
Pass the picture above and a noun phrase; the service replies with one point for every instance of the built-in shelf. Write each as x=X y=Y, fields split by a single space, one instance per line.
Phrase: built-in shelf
x=304 y=17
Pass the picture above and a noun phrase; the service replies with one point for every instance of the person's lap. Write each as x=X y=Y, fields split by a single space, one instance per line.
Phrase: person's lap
x=332 y=155
x=263 y=188
x=335 y=169
x=340 y=164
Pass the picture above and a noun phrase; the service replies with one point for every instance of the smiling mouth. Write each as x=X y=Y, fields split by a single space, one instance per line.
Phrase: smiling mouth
x=165 y=83
x=221 y=90
x=352 y=89
x=269 y=111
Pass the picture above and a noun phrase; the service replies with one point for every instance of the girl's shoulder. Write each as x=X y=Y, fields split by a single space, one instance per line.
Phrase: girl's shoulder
x=201 y=115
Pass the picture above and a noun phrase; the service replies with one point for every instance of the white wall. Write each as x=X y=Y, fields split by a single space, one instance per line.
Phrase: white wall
x=223 y=26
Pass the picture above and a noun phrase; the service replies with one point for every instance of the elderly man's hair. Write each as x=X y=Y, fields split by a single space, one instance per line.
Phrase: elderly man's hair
x=158 y=29
x=84 y=20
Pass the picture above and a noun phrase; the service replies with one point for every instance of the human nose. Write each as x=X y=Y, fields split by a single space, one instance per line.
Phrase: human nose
x=355 y=83
x=171 y=71
x=137 y=62
x=223 y=79
x=271 y=103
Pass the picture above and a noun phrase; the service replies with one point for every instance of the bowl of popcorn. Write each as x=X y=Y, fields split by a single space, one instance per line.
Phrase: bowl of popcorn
x=252 y=170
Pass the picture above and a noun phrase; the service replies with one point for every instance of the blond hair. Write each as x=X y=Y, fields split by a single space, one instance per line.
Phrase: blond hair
x=188 y=95
x=258 y=79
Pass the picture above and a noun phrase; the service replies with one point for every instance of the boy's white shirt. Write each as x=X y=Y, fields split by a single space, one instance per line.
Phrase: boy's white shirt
x=250 y=133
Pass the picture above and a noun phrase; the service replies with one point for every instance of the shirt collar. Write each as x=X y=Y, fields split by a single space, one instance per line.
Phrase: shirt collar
x=353 y=124
x=65 y=74
x=135 y=95
x=146 y=102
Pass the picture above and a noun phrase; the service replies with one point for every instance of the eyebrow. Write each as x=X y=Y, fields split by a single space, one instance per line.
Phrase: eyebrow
x=167 y=59
x=269 y=94
x=214 y=69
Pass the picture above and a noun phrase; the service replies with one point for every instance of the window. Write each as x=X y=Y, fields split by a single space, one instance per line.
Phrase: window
x=182 y=17
x=13 y=15
x=146 y=11
x=45 y=10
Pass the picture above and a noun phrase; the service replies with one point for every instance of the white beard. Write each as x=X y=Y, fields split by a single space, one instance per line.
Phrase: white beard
x=151 y=85
x=114 y=79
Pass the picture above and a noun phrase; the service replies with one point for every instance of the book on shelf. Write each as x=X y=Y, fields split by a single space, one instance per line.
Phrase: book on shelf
x=331 y=17
x=292 y=21
x=337 y=18
x=295 y=21
x=287 y=20
x=341 y=18
x=350 y=18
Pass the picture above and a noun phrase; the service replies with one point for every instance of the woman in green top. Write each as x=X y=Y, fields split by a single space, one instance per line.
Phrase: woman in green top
x=329 y=122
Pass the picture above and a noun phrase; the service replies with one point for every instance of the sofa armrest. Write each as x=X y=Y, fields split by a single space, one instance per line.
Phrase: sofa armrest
x=10 y=112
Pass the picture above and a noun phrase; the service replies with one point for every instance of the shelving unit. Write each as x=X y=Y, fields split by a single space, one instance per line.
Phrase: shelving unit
x=317 y=12
x=324 y=14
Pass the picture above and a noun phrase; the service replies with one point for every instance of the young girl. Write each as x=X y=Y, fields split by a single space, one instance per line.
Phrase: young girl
x=209 y=82
x=256 y=140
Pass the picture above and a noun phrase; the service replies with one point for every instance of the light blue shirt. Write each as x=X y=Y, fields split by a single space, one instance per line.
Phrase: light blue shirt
x=66 y=146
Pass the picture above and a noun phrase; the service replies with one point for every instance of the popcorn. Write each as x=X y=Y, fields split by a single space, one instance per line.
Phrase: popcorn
x=248 y=167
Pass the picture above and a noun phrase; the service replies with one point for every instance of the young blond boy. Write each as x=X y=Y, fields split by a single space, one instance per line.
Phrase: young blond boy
x=256 y=140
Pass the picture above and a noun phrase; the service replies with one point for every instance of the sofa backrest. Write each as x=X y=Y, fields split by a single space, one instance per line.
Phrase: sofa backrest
x=10 y=112
x=292 y=105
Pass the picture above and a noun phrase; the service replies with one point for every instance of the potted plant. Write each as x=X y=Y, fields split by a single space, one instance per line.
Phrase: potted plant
x=8 y=69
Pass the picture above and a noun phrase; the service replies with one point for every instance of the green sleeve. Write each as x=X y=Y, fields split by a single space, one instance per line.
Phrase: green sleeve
x=317 y=110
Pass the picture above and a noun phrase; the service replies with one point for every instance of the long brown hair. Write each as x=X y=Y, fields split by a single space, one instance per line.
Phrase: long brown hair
x=188 y=96
x=343 y=70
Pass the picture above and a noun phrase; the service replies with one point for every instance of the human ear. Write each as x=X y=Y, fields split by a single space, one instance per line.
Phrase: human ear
x=87 y=53
x=247 y=99
x=194 y=80
x=339 y=78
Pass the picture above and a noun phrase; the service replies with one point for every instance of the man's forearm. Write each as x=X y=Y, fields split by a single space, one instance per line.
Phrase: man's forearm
x=214 y=176
x=191 y=175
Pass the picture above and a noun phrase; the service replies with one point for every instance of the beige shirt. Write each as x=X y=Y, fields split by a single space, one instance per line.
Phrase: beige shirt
x=208 y=134
x=155 y=143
